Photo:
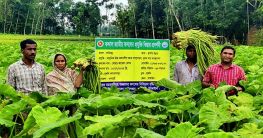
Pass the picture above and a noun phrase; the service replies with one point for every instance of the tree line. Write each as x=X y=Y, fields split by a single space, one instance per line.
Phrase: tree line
x=140 y=19
x=160 y=18
x=51 y=17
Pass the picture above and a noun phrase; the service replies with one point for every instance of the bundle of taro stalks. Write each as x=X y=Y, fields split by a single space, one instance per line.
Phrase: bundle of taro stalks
x=203 y=43
x=91 y=74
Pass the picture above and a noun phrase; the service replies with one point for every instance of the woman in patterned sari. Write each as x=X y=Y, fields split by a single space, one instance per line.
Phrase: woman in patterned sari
x=63 y=79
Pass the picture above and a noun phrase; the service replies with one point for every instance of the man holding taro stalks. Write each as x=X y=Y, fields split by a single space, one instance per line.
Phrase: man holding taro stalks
x=186 y=71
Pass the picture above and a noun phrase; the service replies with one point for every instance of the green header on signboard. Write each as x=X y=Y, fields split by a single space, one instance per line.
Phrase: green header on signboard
x=132 y=43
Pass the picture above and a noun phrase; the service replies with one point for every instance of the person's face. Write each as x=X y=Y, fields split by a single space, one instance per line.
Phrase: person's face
x=191 y=53
x=227 y=56
x=30 y=51
x=60 y=62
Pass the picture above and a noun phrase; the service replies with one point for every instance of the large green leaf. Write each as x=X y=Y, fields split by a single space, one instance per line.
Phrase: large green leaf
x=244 y=112
x=112 y=102
x=63 y=120
x=30 y=101
x=167 y=83
x=184 y=130
x=181 y=106
x=8 y=111
x=43 y=117
x=29 y=123
x=7 y=123
x=79 y=130
x=102 y=123
x=194 y=87
x=84 y=92
x=144 y=133
x=147 y=104
x=253 y=68
x=213 y=115
x=38 y=97
x=91 y=102
x=220 y=135
x=9 y=91
x=258 y=120
x=166 y=95
x=250 y=130
x=142 y=116
x=61 y=100
x=120 y=132
x=258 y=101
x=217 y=96
x=243 y=99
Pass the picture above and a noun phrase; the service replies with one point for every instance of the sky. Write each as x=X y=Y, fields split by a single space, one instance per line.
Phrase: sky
x=102 y=8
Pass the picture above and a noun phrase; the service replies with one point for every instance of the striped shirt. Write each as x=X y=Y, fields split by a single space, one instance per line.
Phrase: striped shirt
x=183 y=75
x=232 y=75
x=26 y=79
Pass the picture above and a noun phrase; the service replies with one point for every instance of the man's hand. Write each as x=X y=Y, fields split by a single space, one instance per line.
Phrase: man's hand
x=239 y=89
x=212 y=85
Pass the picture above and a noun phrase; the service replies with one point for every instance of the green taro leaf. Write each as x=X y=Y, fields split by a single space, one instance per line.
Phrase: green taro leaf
x=120 y=132
x=253 y=68
x=114 y=89
x=46 y=116
x=243 y=99
x=7 y=123
x=79 y=130
x=29 y=123
x=243 y=113
x=38 y=97
x=9 y=91
x=184 y=130
x=112 y=102
x=181 y=106
x=166 y=95
x=217 y=96
x=250 y=130
x=102 y=123
x=171 y=85
x=142 y=116
x=146 y=90
x=30 y=101
x=194 y=87
x=84 y=92
x=48 y=129
x=219 y=135
x=10 y=110
x=147 y=104
x=213 y=115
x=61 y=100
x=144 y=133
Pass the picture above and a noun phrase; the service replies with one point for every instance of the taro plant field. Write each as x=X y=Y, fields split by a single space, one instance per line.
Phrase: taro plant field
x=177 y=112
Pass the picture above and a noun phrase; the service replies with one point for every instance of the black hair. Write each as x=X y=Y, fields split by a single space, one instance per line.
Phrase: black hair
x=189 y=47
x=27 y=41
x=228 y=47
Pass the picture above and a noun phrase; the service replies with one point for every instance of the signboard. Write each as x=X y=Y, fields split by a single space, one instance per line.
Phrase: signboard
x=132 y=62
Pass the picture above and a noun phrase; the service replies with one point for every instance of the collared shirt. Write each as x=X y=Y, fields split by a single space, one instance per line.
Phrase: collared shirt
x=26 y=79
x=183 y=75
x=232 y=75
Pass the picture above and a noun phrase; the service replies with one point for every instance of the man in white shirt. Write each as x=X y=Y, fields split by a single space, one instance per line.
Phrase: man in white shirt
x=186 y=71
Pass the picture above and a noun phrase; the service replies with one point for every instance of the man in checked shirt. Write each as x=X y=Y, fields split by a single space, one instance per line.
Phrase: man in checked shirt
x=225 y=71
x=26 y=75
x=186 y=71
